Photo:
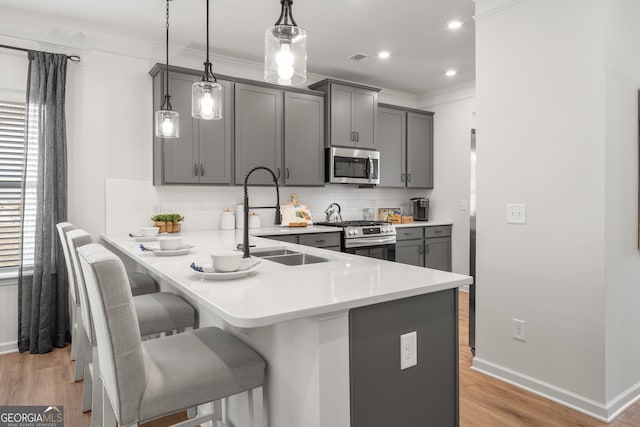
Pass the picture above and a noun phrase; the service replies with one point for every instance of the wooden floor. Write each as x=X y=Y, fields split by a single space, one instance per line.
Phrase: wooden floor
x=27 y=379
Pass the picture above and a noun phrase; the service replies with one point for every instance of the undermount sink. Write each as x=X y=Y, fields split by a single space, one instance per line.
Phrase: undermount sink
x=288 y=257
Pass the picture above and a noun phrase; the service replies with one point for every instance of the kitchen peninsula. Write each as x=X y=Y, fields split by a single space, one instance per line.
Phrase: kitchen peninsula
x=329 y=331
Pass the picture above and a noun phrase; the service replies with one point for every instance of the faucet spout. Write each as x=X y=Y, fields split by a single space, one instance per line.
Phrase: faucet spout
x=278 y=219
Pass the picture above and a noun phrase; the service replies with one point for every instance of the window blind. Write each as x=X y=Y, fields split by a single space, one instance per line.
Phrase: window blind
x=12 y=202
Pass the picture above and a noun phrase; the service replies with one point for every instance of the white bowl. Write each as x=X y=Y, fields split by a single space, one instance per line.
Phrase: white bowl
x=149 y=231
x=226 y=261
x=170 y=243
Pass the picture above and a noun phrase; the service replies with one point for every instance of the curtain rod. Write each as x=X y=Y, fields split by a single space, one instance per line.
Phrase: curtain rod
x=72 y=58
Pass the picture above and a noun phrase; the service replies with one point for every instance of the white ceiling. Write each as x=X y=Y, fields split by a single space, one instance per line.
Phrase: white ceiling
x=414 y=31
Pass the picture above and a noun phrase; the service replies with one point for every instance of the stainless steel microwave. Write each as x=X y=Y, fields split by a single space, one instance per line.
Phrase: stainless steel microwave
x=352 y=166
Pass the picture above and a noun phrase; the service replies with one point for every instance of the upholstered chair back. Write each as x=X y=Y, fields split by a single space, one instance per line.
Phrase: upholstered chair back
x=117 y=332
x=76 y=239
x=63 y=229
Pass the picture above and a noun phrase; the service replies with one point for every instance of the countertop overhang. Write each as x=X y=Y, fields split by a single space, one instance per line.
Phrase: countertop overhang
x=278 y=293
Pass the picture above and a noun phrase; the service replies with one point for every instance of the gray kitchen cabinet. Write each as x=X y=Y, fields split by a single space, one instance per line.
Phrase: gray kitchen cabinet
x=428 y=246
x=392 y=136
x=419 y=150
x=329 y=240
x=352 y=112
x=303 y=139
x=437 y=253
x=283 y=131
x=405 y=142
x=258 y=132
x=203 y=152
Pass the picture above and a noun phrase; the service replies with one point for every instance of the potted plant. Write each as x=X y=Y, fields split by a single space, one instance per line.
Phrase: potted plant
x=167 y=223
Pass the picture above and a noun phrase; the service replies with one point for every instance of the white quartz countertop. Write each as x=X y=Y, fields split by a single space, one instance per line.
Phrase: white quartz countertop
x=277 y=293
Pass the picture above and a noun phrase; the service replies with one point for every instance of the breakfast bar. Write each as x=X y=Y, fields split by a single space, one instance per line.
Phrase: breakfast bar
x=311 y=321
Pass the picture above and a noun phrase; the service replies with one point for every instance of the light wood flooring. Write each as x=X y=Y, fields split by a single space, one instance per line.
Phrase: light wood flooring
x=27 y=379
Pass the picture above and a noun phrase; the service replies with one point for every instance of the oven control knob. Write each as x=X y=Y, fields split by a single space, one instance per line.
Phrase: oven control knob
x=352 y=232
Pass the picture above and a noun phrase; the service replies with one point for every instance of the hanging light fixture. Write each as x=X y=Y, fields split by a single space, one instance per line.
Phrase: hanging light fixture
x=167 y=121
x=285 y=50
x=206 y=95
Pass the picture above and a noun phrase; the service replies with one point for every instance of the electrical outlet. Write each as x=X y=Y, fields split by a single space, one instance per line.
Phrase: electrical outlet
x=408 y=350
x=519 y=329
x=516 y=213
x=464 y=205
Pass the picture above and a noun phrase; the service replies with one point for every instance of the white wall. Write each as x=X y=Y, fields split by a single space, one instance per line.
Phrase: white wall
x=557 y=117
x=452 y=140
x=622 y=259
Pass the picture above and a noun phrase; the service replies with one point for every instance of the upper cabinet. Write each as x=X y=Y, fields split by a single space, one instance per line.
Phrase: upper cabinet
x=405 y=142
x=353 y=113
x=262 y=125
x=203 y=152
x=282 y=130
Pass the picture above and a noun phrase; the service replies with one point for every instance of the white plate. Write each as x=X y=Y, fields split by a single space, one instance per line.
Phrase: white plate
x=185 y=249
x=210 y=274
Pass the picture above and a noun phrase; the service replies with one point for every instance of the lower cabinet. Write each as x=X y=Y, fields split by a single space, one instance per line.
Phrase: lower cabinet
x=330 y=241
x=425 y=246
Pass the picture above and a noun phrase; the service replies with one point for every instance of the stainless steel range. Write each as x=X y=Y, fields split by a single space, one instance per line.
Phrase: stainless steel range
x=375 y=239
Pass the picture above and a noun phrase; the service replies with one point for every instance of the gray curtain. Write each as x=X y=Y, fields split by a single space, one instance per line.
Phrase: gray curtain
x=43 y=319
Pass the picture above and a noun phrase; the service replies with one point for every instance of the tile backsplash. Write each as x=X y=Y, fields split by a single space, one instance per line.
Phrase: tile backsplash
x=130 y=203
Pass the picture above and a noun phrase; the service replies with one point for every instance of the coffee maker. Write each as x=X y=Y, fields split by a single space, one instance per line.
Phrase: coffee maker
x=420 y=209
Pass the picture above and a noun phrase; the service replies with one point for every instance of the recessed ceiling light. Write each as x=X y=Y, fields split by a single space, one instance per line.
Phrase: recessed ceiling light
x=451 y=73
x=383 y=54
x=454 y=25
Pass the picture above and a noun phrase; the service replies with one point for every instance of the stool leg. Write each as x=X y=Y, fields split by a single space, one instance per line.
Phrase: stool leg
x=96 y=390
x=256 y=407
x=108 y=416
x=80 y=354
x=87 y=385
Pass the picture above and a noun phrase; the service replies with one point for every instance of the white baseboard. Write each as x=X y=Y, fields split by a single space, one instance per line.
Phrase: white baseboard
x=600 y=411
x=8 y=347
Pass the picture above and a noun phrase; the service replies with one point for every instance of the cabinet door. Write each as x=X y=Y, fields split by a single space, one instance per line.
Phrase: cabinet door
x=215 y=143
x=343 y=120
x=410 y=252
x=288 y=238
x=320 y=240
x=391 y=144
x=437 y=253
x=258 y=132
x=366 y=110
x=180 y=162
x=303 y=139
x=419 y=150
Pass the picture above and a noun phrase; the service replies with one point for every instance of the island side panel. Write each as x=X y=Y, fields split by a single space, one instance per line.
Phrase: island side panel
x=423 y=395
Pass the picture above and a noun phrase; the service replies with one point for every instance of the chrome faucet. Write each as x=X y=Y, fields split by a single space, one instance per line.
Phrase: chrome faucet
x=278 y=221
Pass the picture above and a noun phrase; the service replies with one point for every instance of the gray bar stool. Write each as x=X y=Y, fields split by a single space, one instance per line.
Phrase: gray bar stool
x=140 y=283
x=150 y=379
x=157 y=313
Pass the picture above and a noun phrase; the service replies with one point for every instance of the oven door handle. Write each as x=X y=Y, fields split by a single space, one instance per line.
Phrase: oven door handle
x=369 y=241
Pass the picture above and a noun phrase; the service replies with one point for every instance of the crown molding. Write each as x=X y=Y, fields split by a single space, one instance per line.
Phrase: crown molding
x=448 y=94
x=486 y=8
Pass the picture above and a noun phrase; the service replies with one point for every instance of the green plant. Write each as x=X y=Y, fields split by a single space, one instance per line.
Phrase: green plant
x=167 y=218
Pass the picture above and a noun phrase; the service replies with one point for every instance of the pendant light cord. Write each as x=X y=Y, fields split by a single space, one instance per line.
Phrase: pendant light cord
x=208 y=75
x=166 y=105
x=286 y=14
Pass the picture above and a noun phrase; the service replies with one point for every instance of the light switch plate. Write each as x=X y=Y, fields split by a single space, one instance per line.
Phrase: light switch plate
x=516 y=213
x=408 y=350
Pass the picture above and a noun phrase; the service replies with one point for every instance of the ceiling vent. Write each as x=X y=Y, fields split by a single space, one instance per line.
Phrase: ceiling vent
x=361 y=57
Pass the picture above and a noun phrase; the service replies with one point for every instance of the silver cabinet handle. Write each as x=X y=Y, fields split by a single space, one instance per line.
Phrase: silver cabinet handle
x=427 y=248
x=357 y=136
x=201 y=170
x=401 y=177
x=320 y=241
x=286 y=173
x=353 y=136
x=195 y=170
x=408 y=177
x=278 y=173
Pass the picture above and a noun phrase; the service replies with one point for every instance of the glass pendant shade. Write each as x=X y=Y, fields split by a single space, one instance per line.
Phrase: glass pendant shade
x=206 y=100
x=167 y=124
x=285 y=55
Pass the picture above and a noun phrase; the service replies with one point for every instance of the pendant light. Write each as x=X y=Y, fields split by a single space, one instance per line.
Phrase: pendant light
x=285 y=50
x=206 y=95
x=167 y=121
